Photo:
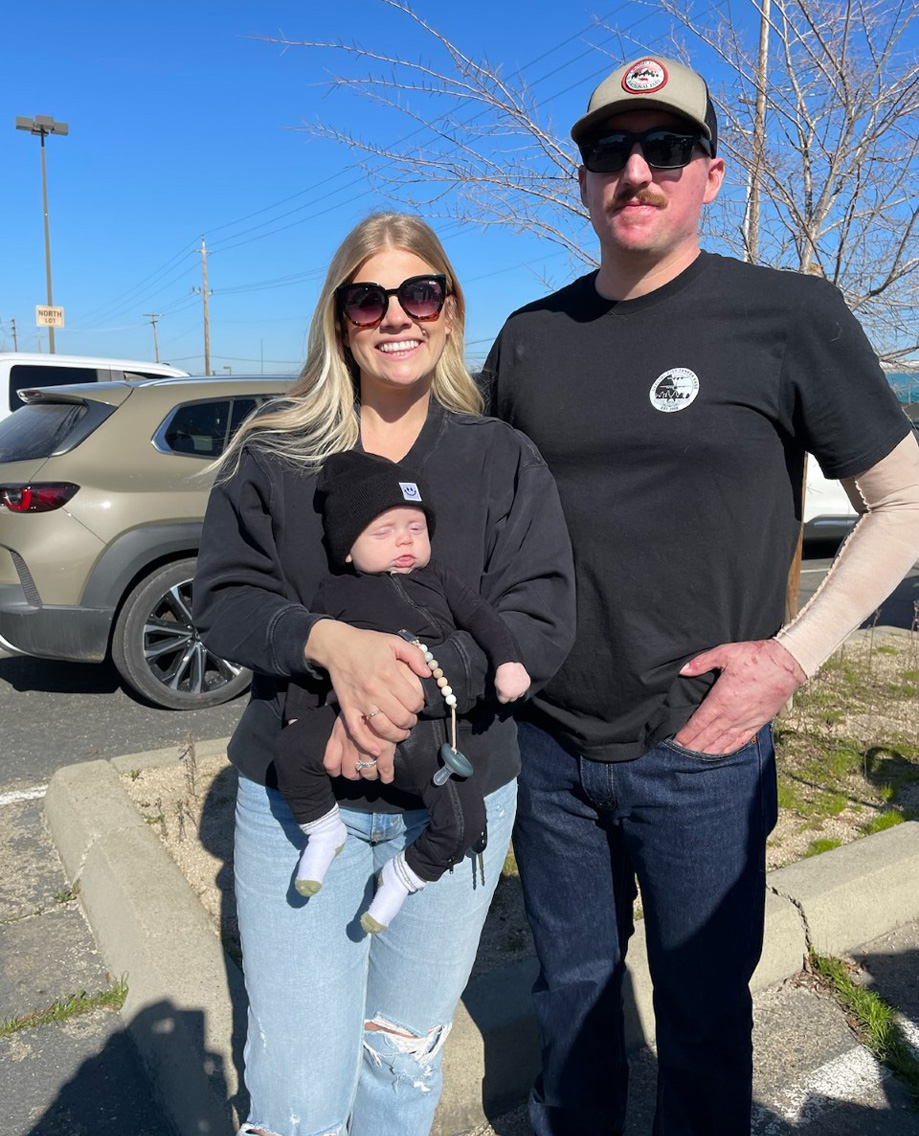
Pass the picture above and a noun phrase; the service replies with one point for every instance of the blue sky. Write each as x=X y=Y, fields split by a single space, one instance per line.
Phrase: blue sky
x=183 y=124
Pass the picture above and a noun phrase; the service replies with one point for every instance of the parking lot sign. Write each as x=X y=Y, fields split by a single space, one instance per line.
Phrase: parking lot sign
x=48 y=317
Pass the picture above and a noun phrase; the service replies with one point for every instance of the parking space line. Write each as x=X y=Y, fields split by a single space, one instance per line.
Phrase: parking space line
x=853 y=1077
x=32 y=794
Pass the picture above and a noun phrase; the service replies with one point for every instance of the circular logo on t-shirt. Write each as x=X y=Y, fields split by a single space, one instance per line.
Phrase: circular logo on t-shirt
x=674 y=390
x=643 y=76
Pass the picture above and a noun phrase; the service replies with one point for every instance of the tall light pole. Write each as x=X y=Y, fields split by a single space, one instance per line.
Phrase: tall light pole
x=41 y=125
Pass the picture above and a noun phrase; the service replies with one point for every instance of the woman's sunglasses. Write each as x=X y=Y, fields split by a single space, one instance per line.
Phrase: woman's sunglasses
x=663 y=149
x=422 y=298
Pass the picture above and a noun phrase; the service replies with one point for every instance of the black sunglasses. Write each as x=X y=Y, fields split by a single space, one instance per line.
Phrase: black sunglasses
x=421 y=297
x=663 y=149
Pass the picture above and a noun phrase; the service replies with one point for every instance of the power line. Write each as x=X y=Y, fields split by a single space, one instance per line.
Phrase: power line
x=153 y=276
x=231 y=241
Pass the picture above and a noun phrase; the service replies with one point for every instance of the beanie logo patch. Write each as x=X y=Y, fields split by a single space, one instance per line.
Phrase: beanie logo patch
x=644 y=77
x=410 y=491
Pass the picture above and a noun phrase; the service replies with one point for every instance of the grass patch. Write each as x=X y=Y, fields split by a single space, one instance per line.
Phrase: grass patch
x=826 y=844
x=873 y=1019
x=829 y=804
x=889 y=818
x=789 y=796
x=68 y=895
x=69 y=1006
x=846 y=750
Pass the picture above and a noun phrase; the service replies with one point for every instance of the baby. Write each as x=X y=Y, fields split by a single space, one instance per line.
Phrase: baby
x=378 y=522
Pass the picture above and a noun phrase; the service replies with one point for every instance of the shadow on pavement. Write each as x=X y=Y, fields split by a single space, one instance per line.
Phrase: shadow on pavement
x=109 y=1096
x=216 y=836
x=24 y=673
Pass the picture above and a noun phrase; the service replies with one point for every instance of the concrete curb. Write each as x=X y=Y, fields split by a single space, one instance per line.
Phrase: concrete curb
x=185 y=1009
x=183 y=991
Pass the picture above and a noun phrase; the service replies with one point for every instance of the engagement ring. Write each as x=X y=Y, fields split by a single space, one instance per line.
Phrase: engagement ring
x=365 y=764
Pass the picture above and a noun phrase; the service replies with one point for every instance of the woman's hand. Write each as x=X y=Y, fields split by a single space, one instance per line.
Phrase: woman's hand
x=344 y=759
x=371 y=673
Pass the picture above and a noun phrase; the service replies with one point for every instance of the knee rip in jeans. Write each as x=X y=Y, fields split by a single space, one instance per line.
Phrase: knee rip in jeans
x=410 y=1057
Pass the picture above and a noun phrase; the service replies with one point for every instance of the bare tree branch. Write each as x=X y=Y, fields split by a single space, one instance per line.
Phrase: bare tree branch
x=837 y=169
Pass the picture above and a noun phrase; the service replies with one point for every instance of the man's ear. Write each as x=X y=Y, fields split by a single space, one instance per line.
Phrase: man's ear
x=582 y=184
x=715 y=178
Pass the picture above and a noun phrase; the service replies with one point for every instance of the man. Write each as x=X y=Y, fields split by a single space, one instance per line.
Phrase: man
x=673 y=394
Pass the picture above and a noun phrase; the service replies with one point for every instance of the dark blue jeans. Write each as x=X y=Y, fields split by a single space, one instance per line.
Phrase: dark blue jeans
x=692 y=827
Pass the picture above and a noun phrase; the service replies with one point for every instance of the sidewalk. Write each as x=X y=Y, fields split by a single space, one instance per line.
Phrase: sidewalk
x=183 y=1011
x=78 y=1077
x=811 y=1075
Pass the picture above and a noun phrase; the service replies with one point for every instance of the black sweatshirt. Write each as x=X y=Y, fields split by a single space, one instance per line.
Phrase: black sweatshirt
x=499 y=527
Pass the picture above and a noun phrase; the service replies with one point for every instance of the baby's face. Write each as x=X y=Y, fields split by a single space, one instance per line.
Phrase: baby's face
x=395 y=541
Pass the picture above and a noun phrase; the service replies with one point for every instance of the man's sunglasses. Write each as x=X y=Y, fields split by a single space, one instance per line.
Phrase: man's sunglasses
x=421 y=297
x=663 y=149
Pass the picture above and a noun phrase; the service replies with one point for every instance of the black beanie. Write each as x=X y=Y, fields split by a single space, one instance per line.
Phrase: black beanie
x=356 y=487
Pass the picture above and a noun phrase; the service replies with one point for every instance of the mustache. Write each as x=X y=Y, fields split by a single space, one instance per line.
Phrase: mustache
x=645 y=196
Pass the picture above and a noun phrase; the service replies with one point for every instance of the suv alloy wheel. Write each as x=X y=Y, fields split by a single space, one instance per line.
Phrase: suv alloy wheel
x=157 y=651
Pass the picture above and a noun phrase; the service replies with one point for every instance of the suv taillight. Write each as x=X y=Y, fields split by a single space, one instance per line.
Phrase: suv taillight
x=40 y=498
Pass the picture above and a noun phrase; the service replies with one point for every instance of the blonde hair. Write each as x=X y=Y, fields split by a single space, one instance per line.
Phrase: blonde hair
x=318 y=416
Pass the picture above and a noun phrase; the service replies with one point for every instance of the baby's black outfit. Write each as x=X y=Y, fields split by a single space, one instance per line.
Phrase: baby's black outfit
x=430 y=603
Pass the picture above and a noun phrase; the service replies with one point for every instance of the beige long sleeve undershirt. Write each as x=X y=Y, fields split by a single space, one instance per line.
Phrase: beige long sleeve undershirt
x=878 y=553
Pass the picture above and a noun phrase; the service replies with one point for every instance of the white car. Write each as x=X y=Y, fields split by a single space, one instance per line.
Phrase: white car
x=22 y=370
x=828 y=512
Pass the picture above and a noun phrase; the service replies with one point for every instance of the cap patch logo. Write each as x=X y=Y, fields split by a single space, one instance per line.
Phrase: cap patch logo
x=674 y=390
x=645 y=76
x=409 y=491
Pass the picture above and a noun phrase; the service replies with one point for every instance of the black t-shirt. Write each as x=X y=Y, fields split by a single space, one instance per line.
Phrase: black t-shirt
x=675 y=425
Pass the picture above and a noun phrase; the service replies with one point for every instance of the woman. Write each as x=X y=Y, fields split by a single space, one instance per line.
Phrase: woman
x=345 y=1028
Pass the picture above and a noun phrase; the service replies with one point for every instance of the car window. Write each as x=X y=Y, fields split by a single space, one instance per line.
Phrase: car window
x=204 y=429
x=242 y=408
x=26 y=375
x=38 y=429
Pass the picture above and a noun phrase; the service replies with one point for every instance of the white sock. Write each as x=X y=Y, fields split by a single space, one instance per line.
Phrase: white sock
x=397 y=881
x=325 y=838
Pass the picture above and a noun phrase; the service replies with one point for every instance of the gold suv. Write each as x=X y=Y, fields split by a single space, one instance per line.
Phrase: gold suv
x=102 y=495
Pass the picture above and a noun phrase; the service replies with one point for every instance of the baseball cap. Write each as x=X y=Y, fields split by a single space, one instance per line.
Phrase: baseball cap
x=651 y=83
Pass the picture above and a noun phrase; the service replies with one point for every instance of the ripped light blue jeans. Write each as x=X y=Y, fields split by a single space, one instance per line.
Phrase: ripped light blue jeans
x=315 y=980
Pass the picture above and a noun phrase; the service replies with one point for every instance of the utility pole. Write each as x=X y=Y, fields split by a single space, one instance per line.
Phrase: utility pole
x=154 y=318
x=13 y=331
x=759 y=133
x=207 y=322
x=793 y=584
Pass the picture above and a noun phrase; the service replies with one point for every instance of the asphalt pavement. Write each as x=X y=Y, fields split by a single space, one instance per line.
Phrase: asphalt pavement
x=55 y=713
